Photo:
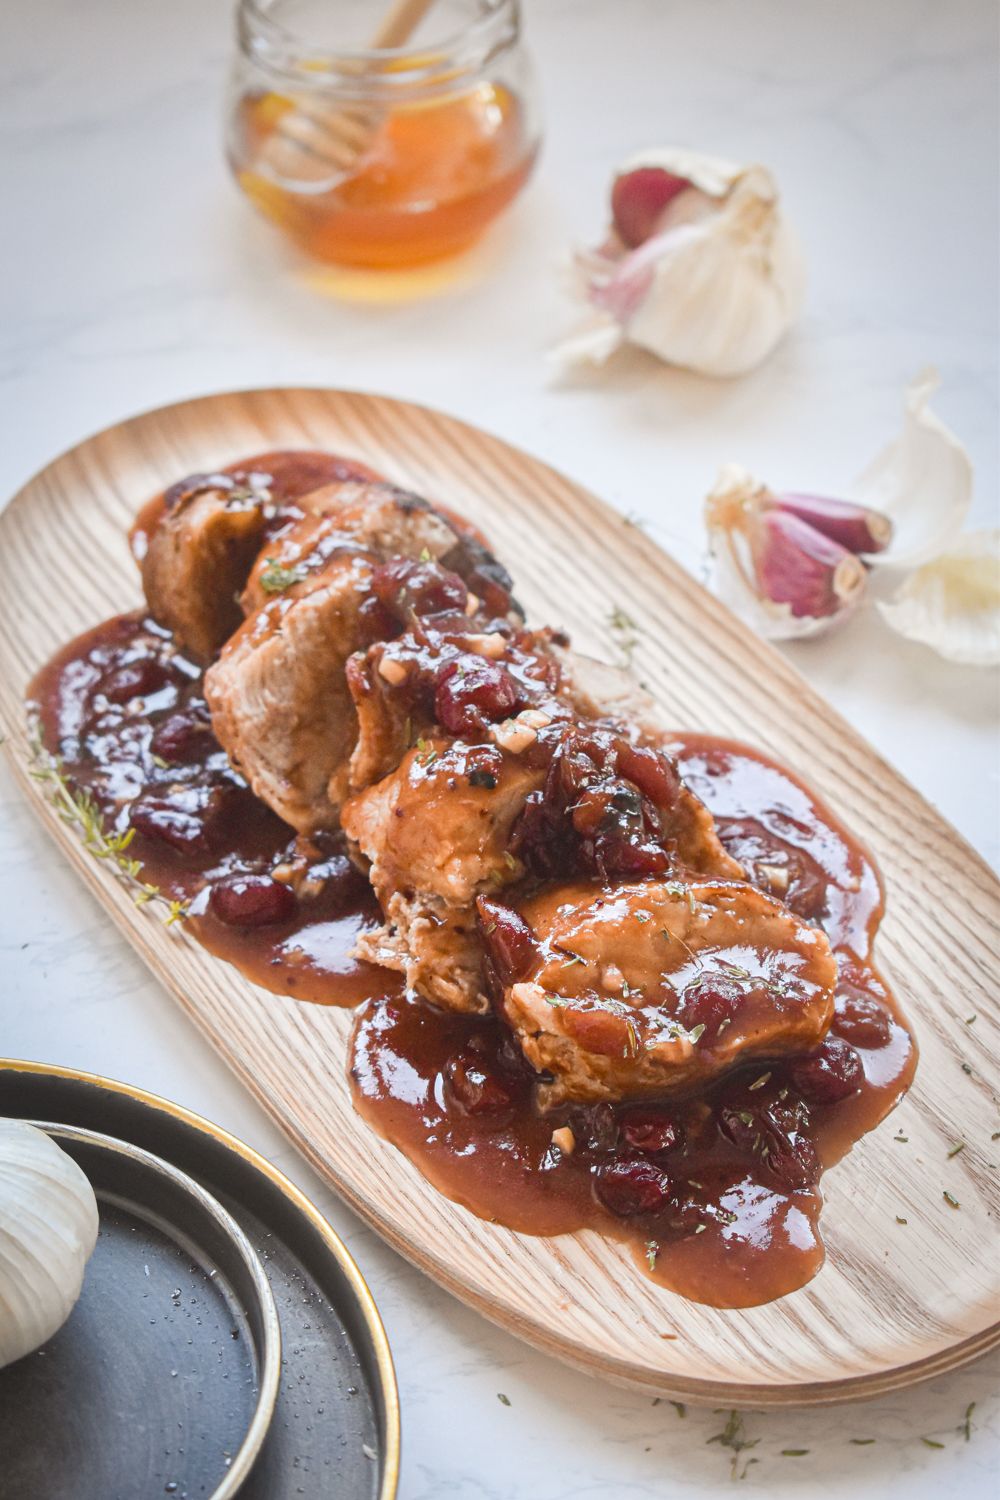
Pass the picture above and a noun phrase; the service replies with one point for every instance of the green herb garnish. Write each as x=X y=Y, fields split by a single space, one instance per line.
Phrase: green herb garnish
x=78 y=807
x=624 y=630
x=275 y=578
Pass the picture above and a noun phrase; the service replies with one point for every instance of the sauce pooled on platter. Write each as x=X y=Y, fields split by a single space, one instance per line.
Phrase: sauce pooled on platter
x=715 y=1183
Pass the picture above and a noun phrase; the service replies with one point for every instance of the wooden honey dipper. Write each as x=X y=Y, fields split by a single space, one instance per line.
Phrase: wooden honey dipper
x=311 y=147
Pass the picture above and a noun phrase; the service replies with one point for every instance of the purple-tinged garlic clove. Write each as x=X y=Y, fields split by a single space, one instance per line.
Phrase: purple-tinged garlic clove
x=856 y=527
x=638 y=201
x=779 y=574
x=797 y=566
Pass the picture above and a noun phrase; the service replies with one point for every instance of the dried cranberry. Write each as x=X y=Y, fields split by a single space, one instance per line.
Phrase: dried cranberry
x=653 y=773
x=136 y=679
x=651 y=1131
x=791 y=1157
x=167 y=823
x=474 y=1086
x=631 y=1186
x=775 y=1135
x=251 y=901
x=507 y=938
x=711 y=1002
x=830 y=1073
x=375 y=621
x=740 y=1126
x=472 y=692
x=422 y=588
x=861 y=1020
x=183 y=737
x=343 y=882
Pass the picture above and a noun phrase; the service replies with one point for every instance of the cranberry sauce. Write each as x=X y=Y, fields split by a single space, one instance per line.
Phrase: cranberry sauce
x=123 y=711
x=716 y=1192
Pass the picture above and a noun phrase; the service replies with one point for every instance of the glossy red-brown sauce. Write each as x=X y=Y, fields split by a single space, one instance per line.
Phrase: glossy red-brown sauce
x=122 y=708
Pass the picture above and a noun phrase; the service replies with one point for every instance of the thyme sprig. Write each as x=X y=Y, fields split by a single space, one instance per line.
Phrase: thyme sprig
x=78 y=808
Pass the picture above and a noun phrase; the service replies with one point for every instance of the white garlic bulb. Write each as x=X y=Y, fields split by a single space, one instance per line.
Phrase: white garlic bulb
x=48 y=1229
x=700 y=266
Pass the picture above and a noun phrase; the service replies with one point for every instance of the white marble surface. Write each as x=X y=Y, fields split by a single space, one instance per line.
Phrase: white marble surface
x=133 y=275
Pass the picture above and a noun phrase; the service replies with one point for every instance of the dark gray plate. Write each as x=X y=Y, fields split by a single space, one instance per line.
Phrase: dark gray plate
x=145 y=1392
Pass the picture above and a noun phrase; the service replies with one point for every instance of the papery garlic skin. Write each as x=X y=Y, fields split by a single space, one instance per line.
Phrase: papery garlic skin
x=953 y=603
x=922 y=481
x=716 y=286
x=48 y=1229
x=785 y=579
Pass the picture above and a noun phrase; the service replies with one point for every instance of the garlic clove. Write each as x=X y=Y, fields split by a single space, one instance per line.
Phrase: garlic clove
x=860 y=530
x=638 y=199
x=795 y=565
x=48 y=1229
x=780 y=575
x=953 y=603
x=922 y=481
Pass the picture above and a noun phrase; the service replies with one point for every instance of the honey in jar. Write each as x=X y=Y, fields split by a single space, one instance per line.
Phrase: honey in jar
x=386 y=160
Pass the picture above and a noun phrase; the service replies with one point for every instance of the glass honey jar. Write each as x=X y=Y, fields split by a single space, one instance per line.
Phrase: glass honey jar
x=375 y=155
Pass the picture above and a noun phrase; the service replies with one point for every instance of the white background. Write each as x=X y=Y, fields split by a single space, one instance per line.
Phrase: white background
x=133 y=274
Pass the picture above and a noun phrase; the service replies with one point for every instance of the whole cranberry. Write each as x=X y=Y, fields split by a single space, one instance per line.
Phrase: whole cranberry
x=135 y=679
x=650 y=1130
x=478 y=1089
x=183 y=737
x=472 y=692
x=251 y=901
x=631 y=1186
x=711 y=1002
x=507 y=938
x=861 y=1020
x=423 y=588
x=829 y=1073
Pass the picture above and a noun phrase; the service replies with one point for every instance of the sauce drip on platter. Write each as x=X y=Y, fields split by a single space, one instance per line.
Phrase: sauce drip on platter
x=659 y=1017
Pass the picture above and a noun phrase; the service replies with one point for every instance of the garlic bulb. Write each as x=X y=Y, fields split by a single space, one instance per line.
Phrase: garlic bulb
x=48 y=1229
x=700 y=267
x=953 y=603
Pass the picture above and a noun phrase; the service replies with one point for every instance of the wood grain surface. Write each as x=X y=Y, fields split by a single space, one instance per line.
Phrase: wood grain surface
x=894 y=1303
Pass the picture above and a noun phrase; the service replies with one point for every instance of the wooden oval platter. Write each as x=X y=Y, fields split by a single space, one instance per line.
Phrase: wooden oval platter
x=894 y=1302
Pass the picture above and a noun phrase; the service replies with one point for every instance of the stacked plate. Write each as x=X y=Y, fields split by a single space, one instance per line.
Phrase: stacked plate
x=225 y=1341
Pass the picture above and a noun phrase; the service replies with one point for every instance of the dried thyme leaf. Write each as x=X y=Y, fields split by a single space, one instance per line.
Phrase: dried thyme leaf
x=275 y=578
x=504 y=1400
x=624 y=630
